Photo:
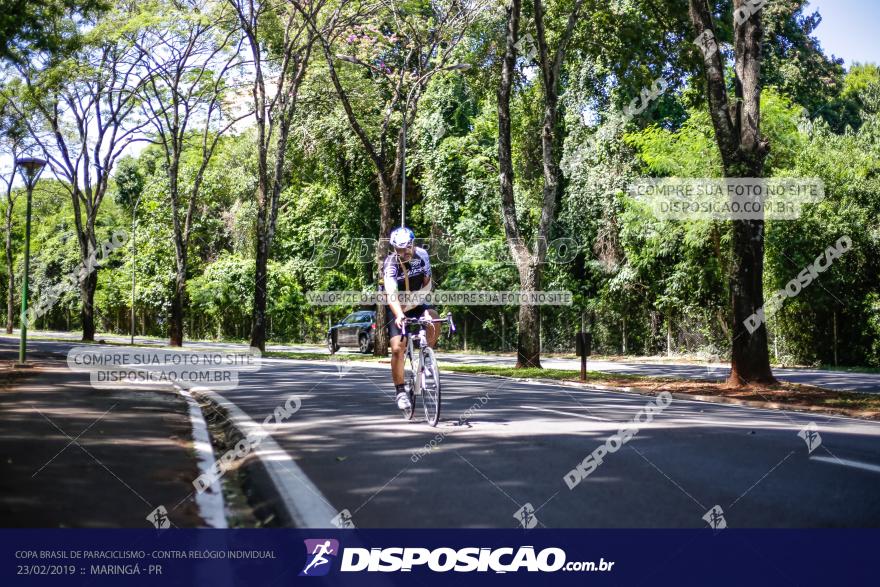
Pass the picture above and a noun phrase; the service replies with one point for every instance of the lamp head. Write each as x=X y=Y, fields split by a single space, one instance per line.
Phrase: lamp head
x=30 y=167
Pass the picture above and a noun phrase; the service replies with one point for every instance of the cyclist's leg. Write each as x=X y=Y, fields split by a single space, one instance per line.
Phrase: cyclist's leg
x=398 y=348
x=432 y=330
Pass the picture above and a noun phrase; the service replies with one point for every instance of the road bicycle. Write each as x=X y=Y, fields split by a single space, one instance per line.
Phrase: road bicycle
x=423 y=380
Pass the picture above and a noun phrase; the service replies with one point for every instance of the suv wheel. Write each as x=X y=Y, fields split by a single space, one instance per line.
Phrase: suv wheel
x=331 y=344
x=364 y=344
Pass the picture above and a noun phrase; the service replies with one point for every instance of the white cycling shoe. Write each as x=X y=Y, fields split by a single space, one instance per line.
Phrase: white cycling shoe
x=403 y=401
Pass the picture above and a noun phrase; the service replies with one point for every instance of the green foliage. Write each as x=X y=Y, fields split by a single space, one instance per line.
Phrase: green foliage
x=45 y=26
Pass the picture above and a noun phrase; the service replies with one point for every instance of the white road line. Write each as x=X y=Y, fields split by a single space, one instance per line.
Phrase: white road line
x=210 y=502
x=848 y=463
x=302 y=500
x=537 y=409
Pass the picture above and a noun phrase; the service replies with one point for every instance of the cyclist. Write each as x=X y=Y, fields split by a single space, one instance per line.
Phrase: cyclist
x=406 y=269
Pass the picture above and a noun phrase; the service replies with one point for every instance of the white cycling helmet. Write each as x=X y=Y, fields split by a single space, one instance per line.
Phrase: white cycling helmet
x=402 y=238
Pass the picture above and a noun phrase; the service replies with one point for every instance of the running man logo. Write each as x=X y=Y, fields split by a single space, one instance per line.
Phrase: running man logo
x=810 y=435
x=526 y=516
x=159 y=518
x=715 y=518
x=319 y=554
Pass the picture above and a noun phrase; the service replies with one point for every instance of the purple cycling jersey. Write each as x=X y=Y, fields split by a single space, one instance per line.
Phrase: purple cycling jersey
x=416 y=271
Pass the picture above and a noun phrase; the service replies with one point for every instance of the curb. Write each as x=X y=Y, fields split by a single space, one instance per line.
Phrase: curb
x=284 y=478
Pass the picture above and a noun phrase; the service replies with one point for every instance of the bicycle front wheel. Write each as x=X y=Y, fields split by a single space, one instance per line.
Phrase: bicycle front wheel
x=429 y=384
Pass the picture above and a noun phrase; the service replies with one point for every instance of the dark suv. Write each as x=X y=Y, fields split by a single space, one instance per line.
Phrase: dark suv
x=358 y=329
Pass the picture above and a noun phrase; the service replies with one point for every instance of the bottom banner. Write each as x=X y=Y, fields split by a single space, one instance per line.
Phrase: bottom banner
x=437 y=557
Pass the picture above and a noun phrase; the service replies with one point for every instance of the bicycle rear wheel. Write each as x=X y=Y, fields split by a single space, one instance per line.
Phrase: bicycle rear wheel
x=429 y=384
x=409 y=378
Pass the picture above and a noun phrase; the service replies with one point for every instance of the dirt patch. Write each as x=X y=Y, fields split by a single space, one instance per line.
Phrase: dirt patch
x=781 y=395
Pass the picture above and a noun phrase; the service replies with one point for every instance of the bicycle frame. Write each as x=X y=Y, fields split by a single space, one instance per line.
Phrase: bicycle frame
x=420 y=373
x=422 y=334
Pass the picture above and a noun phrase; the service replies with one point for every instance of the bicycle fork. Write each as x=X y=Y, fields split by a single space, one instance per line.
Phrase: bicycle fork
x=419 y=374
x=414 y=382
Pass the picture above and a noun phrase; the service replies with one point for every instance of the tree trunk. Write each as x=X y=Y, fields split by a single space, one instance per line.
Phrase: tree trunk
x=750 y=352
x=267 y=215
x=87 y=290
x=175 y=325
x=529 y=261
x=175 y=328
x=261 y=279
x=750 y=356
x=258 y=317
x=737 y=125
x=380 y=346
x=528 y=351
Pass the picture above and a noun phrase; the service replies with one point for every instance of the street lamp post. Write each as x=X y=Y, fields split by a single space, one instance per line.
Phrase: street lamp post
x=30 y=168
x=133 y=262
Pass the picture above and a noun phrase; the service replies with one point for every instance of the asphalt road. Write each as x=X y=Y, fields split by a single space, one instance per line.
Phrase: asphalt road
x=519 y=440
x=837 y=380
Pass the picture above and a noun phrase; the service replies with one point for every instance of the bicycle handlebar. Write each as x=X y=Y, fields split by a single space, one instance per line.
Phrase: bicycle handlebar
x=447 y=319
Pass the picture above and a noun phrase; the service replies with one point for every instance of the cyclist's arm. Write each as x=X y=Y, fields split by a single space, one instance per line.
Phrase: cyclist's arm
x=391 y=289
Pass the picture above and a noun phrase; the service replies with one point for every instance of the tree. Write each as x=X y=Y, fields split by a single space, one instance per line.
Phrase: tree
x=80 y=112
x=397 y=49
x=27 y=27
x=189 y=61
x=530 y=260
x=743 y=153
x=280 y=38
x=792 y=60
x=12 y=141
